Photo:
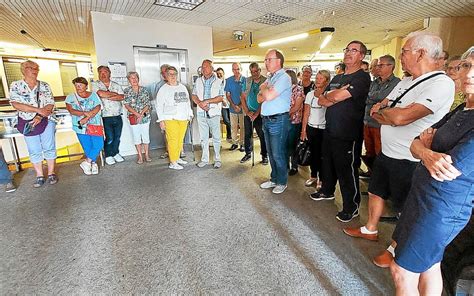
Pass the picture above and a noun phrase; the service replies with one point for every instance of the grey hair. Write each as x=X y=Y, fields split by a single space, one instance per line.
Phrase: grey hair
x=25 y=64
x=326 y=74
x=388 y=58
x=131 y=73
x=164 y=66
x=238 y=64
x=431 y=43
x=252 y=66
x=171 y=68
x=468 y=53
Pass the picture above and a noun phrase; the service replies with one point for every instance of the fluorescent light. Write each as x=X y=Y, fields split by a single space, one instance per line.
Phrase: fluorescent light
x=16 y=60
x=283 y=40
x=325 y=41
x=68 y=64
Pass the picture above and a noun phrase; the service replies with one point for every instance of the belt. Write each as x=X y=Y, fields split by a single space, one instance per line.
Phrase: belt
x=320 y=126
x=274 y=115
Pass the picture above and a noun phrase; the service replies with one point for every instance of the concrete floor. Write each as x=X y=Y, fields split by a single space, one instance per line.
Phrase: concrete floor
x=147 y=229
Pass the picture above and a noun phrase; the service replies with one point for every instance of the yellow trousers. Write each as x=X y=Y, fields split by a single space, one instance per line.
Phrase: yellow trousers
x=175 y=131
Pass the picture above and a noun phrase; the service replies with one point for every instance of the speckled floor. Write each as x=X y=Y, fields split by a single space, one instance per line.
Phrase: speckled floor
x=148 y=229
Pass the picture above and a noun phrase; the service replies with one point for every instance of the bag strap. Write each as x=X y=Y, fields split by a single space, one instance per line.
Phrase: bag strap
x=394 y=103
x=38 y=93
x=77 y=101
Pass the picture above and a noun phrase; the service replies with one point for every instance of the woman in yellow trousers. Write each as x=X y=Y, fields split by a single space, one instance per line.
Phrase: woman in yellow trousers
x=173 y=107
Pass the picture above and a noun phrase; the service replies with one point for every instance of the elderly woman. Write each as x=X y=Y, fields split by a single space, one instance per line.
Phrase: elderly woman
x=314 y=123
x=173 y=108
x=439 y=204
x=84 y=107
x=452 y=72
x=35 y=103
x=137 y=101
x=296 y=113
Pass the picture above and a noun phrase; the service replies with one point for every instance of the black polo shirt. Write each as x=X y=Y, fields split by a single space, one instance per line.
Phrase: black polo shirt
x=344 y=119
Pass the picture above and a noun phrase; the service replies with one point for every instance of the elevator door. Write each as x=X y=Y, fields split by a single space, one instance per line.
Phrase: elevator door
x=147 y=63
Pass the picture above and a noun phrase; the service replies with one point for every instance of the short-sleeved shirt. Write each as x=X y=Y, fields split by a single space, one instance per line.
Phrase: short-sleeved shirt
x=84 y=104
x=281 y=82
x=296 y=92
x=307 y=89
x=235 y=88
x=138 y=101
x=317 y=113
x=436 y=94
x=20 y=92
x=344 y=120
x=252 y=91
x=110 y=108
x=378 y=91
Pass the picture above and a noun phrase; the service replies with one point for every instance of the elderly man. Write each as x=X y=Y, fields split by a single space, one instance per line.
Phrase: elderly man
x=373 y=68
x=416 y=103
x=345 y=102
x=306 y=82
x=111 y=94
x=234 y=86
x=275 y=95
x=380 y=88
x=208 y=94
x=252 y=110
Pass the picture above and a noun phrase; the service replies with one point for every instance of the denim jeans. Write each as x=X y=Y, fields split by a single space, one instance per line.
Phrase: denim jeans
x=226 y=119
x=294 y=133
x=275 y=129
x=42 y=146
x=91 y=145
x=213 y=125
x=113 y=131
x=257 y=125
x=5 y=175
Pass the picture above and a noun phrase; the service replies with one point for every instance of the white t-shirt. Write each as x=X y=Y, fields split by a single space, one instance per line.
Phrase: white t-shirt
x=172 y=103
x=317 y=114
x=436 y=94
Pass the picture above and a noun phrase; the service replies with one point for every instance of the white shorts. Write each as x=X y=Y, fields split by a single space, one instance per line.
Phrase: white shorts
x=141 y=133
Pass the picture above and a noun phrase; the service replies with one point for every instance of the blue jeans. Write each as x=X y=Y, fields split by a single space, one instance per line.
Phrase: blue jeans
x=91 y=145
x=226 y=119
x=42 y=146
x=275 y=129
x=5 y=175
x=113 y=131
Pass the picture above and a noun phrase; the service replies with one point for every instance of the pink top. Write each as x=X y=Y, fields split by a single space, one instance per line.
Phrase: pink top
x=296 y=92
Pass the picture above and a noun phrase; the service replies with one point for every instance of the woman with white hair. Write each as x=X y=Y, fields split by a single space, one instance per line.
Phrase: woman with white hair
x=173 y=108
x=440 y=201
x=137 y=102
x=35 y=103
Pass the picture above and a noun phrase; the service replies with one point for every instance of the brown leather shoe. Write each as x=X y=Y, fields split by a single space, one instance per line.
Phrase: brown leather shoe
x=355 y=232
x=383 y=260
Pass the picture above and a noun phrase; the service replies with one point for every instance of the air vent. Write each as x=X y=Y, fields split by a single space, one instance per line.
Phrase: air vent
x=273 y=19
x=179 y=4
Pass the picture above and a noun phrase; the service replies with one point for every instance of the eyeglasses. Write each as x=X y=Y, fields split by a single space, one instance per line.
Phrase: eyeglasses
x=404 y=51
x=255 y=71
x=172 y=74
x=269 y=59
x=465 y=66
x=452 y=68
x=350 y=50
x=32 y=68
x=381 y=65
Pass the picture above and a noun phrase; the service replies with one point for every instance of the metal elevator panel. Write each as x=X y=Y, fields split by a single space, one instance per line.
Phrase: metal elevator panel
x=148 y=61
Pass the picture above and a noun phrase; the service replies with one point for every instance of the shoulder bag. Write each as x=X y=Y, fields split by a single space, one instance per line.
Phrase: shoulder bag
x=91 y=129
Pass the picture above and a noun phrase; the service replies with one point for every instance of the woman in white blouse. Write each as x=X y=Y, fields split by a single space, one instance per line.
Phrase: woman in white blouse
x=173 y=108
x=314 y=123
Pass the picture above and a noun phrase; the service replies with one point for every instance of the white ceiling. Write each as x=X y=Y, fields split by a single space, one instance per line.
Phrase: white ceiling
x=66 y=25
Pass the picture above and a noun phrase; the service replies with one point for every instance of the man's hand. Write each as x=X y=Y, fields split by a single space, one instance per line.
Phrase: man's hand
x=440 y=166
x=237 y=108
x=45 y=112
x=204 y=105
x=378 y=106
x=162 y=125
x=426 y=137
x=303 y=136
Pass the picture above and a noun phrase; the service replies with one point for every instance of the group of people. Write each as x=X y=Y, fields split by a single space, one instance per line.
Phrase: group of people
x=418 y=152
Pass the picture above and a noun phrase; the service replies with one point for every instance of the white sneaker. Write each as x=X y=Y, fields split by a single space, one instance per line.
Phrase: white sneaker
x=201 y=164
x=180 y=161
x=310 y=182
x=118 y=158
x=175 y=166
x=110 y=160
x=182 y=154
x=86 y=167
x=164 y=155
x=94 y=168
x=279 y=189
x=268 y=185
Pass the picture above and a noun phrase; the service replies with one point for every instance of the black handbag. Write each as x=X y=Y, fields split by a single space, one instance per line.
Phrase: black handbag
x=303 y=153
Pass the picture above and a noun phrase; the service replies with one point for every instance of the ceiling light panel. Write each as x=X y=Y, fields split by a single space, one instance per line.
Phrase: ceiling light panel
x=273 y=19
x=180 y=4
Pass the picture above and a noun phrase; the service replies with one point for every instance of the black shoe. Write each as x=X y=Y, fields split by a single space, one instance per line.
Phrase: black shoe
x=346 y=217
x=233 y=147
x=246 y=158
x=242 y=149
x=318 y=195
x=293 y=171
x=264 y=161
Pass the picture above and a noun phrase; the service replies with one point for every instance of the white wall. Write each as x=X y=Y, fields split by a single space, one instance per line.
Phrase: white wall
x=115 y=36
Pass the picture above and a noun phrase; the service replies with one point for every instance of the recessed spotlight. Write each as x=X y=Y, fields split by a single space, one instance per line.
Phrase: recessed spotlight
x=179 y=4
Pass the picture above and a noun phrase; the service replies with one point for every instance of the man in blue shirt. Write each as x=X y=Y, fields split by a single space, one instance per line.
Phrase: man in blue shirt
x=275 y=95
x=234 y=87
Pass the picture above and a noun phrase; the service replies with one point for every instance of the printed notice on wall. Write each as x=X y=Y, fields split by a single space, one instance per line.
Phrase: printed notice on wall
x=118 y=73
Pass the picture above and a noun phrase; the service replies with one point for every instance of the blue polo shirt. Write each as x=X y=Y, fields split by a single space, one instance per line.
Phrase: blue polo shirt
x=281 y=82
x=235 y=88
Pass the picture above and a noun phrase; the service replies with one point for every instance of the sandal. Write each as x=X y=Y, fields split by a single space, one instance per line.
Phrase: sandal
x=52 y=179
x=148 y=159
x=39 y=182
x=140 y=161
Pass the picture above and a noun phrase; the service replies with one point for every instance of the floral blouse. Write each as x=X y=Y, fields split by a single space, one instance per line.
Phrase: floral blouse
x=20 y=92
x=138 y=101
x=84 y=104
x=296 y=92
